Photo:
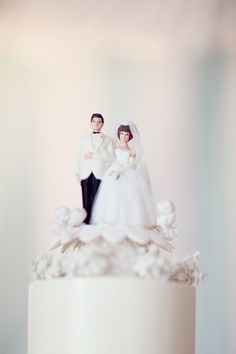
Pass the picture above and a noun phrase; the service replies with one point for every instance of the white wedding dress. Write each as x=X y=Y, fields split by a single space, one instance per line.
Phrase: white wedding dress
x=127 y=200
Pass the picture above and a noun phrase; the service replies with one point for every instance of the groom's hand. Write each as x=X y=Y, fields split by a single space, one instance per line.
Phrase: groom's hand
x=114 y=174
x=88 y=155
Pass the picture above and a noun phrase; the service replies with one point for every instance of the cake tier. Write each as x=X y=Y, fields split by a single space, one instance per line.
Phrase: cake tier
x=110 y=315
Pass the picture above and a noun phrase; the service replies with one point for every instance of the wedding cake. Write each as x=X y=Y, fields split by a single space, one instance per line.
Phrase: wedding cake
x=112 y=290
x=113 y=286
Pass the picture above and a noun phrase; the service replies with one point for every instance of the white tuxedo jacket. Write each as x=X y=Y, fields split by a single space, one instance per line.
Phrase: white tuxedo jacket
x=102 y=156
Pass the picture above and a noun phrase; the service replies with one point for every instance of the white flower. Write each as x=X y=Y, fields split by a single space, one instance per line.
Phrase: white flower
x=77 y=217
x=187 y=270
x=67 y=223
x=144 y=264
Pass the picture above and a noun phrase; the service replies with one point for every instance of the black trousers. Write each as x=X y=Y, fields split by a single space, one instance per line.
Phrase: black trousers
x=89 y=190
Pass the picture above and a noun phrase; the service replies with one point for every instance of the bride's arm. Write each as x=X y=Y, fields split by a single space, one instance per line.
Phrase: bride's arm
x=130 y=164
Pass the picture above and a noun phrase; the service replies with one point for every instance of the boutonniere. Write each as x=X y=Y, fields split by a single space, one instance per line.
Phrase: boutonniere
x=102 y=135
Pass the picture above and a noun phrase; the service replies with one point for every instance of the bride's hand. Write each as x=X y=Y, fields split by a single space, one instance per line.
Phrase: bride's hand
x=114 y=174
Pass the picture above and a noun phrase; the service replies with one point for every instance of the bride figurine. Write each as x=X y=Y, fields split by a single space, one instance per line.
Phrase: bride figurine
x=124 y=197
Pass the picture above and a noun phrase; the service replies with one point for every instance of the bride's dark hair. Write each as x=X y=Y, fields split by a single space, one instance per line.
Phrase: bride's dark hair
x=124 y=128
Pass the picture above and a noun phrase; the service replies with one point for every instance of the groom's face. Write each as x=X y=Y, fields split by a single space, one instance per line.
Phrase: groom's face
x=96 y=124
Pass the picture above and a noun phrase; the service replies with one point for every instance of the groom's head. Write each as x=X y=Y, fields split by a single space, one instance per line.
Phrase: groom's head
x=97 y=122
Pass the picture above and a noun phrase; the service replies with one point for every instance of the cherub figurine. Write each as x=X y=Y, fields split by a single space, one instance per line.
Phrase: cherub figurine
x=95 y=153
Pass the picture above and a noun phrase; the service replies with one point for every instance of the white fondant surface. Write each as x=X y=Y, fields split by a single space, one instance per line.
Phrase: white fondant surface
x=109 y=315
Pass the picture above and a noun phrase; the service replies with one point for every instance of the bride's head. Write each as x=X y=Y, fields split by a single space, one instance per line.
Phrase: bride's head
x=124 y=133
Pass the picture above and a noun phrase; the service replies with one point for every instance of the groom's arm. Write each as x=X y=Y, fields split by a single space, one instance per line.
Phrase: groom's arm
x=78 y=162
x=106 y=155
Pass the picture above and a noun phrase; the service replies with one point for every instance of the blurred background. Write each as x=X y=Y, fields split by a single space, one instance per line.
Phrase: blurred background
x=168 y=65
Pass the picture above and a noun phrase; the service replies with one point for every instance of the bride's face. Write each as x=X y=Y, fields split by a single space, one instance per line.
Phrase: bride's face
x=124 y=137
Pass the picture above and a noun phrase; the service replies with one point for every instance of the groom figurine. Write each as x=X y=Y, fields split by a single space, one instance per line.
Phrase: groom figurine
x=95 y=153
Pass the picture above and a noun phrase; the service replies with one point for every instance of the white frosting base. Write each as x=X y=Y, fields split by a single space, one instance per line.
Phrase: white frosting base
x=126 y=258
x=110 y=315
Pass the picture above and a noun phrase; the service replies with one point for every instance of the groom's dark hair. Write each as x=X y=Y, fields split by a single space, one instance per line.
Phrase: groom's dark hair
x=97 y=115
